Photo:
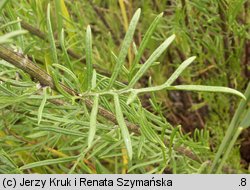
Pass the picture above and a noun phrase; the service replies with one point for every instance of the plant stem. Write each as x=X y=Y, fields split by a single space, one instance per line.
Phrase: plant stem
x=22 y=62
x=25 y=64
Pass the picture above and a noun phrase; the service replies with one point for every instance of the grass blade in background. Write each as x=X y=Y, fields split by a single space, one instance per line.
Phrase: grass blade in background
x=246 y=119
x=93 y=120
x=144 y=43
x=59 y=17
x=2 y=4
x=155 y=55
x=122 y=124
x=220 y=156
x=124 y=48
x=89 y=57
x=51 y=36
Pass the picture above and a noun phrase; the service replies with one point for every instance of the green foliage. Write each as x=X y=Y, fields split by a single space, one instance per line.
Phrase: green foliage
x=125 y=45
x=91 y=121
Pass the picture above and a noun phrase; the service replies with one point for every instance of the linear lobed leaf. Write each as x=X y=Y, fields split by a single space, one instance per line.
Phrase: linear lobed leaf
x=12 y=99
x=124 y=129
x=145 y=164
x=149 y=133
x=89 y=57
x=58 y=85
x=40 y=109
x=65 y=51
x=6 y=37
x=60 y=130
x=125 y=46
x=93 y=80
x=6 y=90
x=151 y=60
x=204 y=88
x=179 y=70
x=20 y=37
x=92 y=127
x=69 y=72
x=131 y=97
x=48 y=162
x=145 y=41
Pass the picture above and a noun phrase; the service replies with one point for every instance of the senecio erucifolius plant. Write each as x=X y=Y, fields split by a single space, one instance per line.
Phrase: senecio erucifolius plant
x=101 y=114
x=135 y=73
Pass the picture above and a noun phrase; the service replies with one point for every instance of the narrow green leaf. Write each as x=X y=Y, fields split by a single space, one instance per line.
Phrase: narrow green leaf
x=140 y=146
x=51 y=36
x=2 y=4
x=131 y=97
x=142 y=164
x=40 y=110
x=122 y=124
x=58 y=85
x=59 y=18
x=69 y=72
x=69 y=64
x=48 y=162
x=12 y=99
x=93 y=81
x=20 y=37
x=60 y=130
x=145 y=41
x=246 y=120
x=89 y=57
x=151 y=60
x=6 y=38
x=9 y=24
x=18 y=83
x=125 y=46
x=6 y=90
x=124 y=70
x=37 y=135
x=203 y=88
x=6 y=159
x=147 y=130
x=93 y=119
x=179 y=70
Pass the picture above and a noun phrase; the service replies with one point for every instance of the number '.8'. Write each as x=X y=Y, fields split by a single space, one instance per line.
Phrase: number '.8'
x=243 y=182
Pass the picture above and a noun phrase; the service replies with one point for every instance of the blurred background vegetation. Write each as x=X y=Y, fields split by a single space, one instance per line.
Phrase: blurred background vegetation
x=216 y=31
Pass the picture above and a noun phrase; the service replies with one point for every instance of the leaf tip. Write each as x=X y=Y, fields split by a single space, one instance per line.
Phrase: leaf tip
x=243 y=96
x=193 y=58
x=88 y=28
x=173 y=35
